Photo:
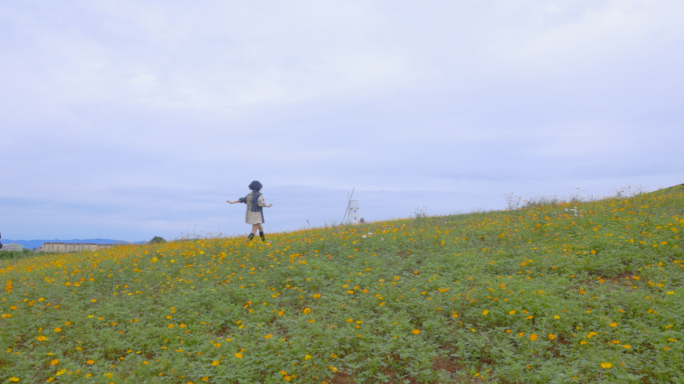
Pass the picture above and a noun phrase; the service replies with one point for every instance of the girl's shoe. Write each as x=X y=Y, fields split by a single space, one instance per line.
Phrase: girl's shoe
x=250 y=237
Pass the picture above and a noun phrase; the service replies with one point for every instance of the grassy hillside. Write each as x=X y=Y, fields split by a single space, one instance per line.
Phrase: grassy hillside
x=581 y=292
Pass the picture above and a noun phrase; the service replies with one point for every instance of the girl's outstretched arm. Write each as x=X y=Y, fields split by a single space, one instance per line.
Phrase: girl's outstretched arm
x=233 y=202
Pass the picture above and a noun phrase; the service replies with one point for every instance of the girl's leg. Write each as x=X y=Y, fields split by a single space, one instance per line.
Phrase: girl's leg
x=261 y=232
x=254 y=229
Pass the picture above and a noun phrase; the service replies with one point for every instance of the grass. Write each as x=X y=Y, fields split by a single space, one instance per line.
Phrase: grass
x=561 y=292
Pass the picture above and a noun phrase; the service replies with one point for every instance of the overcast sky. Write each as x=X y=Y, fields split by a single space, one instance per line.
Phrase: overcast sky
x=132 y=119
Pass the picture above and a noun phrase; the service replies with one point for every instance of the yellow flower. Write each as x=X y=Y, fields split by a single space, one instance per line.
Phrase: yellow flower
x=485 y=312
x=60 y=372
x=215 y=363
x=552 y=336
x=626 y=346
x=511 y=312
x=41 y=338
x=14 y=379
x=54 y=362
x=268 y=336
x=90 y=362
x=307 y=310
x=415 y=331
x=606 y=365
x=613 y=324
x=317 y=296
x=58 y=329
x=533 y=337
x=238 y=355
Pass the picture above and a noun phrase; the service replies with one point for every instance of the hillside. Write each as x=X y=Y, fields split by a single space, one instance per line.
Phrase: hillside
x=581 y=292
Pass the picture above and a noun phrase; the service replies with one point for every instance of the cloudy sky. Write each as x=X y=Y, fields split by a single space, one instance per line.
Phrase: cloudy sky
x=131 y=119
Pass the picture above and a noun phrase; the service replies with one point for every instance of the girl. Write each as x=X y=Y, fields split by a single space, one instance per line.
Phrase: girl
x=255 y=209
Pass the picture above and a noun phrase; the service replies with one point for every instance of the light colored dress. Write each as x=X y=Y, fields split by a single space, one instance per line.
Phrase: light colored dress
x=254 y=217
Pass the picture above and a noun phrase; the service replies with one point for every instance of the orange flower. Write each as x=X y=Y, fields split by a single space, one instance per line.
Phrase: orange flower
x=415 y=331
x=533 y=337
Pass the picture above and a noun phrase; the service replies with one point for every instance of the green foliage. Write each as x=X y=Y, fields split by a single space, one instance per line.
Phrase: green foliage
x=157 y=240
x=588 y=291
x=4 y=254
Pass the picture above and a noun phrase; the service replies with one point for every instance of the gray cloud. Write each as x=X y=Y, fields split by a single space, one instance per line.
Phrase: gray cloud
x=130 y=120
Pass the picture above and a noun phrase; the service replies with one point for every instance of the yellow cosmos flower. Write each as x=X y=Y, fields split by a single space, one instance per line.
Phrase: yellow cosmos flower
x=41 y=338
x=415 y=331
x=215 y=363
x=307 y=310
x=268 y=336
x=552 y=336
x=533 y=337
x=485 y=312
x=606 y=365
x=238 y=355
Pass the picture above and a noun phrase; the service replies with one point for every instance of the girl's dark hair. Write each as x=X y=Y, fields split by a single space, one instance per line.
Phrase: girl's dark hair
x=255 y=186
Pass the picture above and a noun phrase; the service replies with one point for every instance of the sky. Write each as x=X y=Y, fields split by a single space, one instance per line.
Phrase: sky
x=133 y=119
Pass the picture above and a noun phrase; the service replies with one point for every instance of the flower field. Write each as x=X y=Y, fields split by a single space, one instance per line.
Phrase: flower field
x=564 y=293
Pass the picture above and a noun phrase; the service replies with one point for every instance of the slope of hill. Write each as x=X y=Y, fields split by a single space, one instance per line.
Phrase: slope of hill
x=582 y=292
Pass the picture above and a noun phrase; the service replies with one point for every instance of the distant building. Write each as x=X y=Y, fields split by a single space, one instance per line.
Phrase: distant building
x=74 y=247
x=68 y=247
x=12 y=247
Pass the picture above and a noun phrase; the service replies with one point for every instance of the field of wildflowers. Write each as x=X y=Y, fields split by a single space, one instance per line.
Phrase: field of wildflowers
x=566 y=292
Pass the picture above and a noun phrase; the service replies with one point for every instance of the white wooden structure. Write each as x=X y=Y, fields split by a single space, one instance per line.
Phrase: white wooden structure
x=351 y=215
x=353 y=212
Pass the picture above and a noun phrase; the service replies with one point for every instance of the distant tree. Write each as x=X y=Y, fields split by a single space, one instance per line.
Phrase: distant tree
x=157 y=240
